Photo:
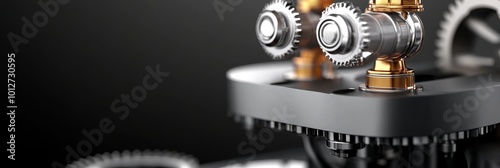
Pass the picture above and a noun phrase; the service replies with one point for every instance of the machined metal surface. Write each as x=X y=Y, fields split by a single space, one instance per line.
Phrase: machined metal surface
x=392 y=35
x=452 y=108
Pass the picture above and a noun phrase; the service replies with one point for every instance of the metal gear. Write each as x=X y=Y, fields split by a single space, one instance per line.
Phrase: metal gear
x=278 y=29
x=275 y=163
x=342 y=34
x=358 y=139
x=137 y=158
x=453 y=20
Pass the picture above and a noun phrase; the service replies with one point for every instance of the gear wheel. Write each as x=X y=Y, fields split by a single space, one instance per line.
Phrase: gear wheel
x=137 y=158
x=278 y=29
x=275 y=163
x=356 y=139
x=449 y=45
x=342 y=34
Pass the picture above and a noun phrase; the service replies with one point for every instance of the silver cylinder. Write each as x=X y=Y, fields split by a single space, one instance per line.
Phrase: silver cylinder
x=391 y=35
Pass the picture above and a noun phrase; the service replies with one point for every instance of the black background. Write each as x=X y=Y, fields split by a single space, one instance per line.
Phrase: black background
x=93 y=51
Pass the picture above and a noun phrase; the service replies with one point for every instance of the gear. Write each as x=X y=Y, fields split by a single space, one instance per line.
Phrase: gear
x=357 y=139
x=276 y=163
x=342 y=34
x=455 y=20
x=278 y=29
x=137 y=158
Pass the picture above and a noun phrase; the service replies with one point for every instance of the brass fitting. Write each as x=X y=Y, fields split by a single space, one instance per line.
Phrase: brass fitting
x=395 y=6
x=309 y=65
x=306 y=6
x=390 y=74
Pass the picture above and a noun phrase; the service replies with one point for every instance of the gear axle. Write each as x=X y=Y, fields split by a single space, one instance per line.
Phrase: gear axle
x=349 y=38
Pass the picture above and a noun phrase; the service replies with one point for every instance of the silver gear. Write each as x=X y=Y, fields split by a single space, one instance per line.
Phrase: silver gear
x=137 y=158
x=278 y=29
x=333 y=38
x=452 y=20
x=275 y=163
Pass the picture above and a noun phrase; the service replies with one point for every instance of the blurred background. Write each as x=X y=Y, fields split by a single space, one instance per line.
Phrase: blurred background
x=93 y=51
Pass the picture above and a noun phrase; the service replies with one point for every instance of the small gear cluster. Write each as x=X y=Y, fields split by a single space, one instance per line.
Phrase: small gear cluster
x=342 y=34
x=455 y=19
x=279 y=29
x=137 y=158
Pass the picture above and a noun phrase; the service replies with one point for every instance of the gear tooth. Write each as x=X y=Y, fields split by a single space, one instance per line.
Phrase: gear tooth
x=115 y=154
x=447 y=16
x=457 y=11
x=338 y=63
x=452 y=7
x=347 y=9
x=358 y=10
x=293 y=21
x=137 y=152
x=438 y=53
x=136 y=157
x=439 y=43
x=348 y=3
x=440 y=32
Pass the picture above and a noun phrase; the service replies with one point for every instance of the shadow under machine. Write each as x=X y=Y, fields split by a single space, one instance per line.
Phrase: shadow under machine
x=389 y=113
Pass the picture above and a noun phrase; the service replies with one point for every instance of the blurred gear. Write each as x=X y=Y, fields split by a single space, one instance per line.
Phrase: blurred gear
x=465 y=21
x=275 y=163
x=357 y=140
x=156 y=158
x=278 y=29
x=342 y=34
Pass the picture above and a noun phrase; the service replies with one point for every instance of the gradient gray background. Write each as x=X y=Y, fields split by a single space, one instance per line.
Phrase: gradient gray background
x=94 y=50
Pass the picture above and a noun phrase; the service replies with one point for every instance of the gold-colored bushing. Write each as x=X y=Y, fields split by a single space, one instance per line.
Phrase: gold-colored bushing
x=395 y=6
x=388 y=74
x=305 y=6
x=309 y=66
